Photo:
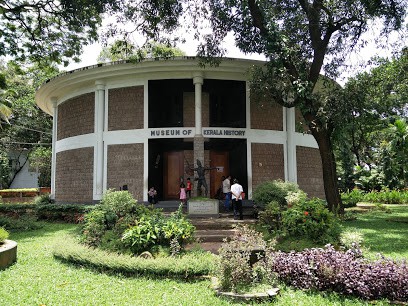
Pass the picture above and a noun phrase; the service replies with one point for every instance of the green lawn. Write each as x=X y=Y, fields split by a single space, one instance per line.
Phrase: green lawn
x=39 y=279
x=384 y=233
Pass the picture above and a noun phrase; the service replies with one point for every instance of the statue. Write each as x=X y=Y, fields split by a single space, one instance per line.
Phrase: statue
x=201 y=177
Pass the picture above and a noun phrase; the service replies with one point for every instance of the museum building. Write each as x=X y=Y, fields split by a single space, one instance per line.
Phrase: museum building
x=131 y=126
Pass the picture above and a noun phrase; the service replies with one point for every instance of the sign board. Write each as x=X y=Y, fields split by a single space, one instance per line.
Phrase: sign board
x=203 y=207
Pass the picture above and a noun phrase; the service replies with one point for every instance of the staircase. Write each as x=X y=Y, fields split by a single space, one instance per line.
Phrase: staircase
x=211 y=232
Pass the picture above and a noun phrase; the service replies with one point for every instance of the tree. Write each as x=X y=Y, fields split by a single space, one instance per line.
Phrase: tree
x=376 y=100
x=301 y=39
x=5 y=110
x=51 y=31
x=126 y=50
x=29 y=127
x=397 y=147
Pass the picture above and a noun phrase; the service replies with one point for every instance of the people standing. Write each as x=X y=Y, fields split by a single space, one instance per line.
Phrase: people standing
x=236 y=192
x=152 y=195
x=226 y=189
x=189 y=187
x=182 y=193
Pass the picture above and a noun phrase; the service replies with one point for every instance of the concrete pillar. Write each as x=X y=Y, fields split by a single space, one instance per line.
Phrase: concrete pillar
x=248 y=141
x=198 y=81
x=198 y=84
x=99 y=145
x=291 y=145
x=54 y=140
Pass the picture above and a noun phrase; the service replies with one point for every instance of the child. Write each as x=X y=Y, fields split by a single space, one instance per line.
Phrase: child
x=182 y=193
x=152 y=195
x=189 y=187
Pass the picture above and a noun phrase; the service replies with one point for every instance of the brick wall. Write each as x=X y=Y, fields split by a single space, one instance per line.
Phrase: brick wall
x=267 y=116
x=310 y=172
x=125 y=167
x=125 y=110
x=189 y=162
x=267 y=163
x=76 y=116
x=189 y=111
x=74 y=176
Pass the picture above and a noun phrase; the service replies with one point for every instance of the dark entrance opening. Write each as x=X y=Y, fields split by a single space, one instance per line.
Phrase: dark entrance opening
x=234 y=153
x=166 y=166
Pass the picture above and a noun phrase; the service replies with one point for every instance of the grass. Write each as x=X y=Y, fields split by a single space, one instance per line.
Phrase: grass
x=39 y=279
x=384 y=232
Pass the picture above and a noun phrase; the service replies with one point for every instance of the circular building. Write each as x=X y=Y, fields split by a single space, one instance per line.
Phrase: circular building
x=132 y=126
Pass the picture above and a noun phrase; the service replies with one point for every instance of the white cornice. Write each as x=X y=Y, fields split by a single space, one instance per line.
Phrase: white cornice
x=75 y=81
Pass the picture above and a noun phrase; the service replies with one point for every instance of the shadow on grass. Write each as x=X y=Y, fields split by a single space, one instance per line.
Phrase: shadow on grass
x=381 y=233
x=180 y=278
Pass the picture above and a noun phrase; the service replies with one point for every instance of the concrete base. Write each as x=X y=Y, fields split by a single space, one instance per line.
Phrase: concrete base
x=8 y=253
x=206 y=208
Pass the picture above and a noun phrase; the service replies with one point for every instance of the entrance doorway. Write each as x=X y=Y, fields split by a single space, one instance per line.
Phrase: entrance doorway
x=173 y=171
x=219 y=160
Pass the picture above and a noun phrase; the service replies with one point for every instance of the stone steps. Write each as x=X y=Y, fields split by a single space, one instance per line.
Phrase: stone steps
x=211 y=232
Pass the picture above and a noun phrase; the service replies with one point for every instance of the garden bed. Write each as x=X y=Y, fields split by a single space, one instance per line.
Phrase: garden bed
x=8 y=253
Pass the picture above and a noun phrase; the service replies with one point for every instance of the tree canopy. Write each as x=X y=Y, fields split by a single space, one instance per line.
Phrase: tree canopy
x=372 y=134
x=301 y=40
x=52 y=31
x=126 y=50
x=30 y=128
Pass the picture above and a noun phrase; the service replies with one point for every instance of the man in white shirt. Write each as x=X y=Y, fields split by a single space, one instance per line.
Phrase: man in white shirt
x=226 y=189
x=236 y=192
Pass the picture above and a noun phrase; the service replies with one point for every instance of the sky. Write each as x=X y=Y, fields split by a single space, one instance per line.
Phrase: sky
x=355 y=60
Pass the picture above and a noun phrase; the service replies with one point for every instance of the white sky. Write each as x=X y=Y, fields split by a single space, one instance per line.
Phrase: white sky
x=356 y=59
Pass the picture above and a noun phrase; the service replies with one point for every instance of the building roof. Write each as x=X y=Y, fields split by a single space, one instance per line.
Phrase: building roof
x=126 y=73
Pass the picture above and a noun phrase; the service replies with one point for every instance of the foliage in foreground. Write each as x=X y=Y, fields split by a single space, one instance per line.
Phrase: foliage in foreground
x=284 y=193
x=24 y=223
x=342 y=272
x=119 y=223
x=239 y=260
x=3 y=235
x=185 y=266
x=289 y=214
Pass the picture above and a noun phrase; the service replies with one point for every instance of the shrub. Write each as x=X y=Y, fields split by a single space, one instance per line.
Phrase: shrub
x=351 y=198
x=351 y=238
x=387 y=196
x=119 y=223
x=235 y=268
x=143 y=235
x=343 y=272
x=42 y=199
x=72 y=213
x=3 y=235
x=277 y=191
x=177 y=227
x=275 y=197
x=16 y=210
x=24 y=223
x=311 y=219
x=150 y=230
x=186 y=266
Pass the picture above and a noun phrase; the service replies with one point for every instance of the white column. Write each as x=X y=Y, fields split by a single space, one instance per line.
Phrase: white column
x=54 y=140
x=146 y=141
x=248 y=140
x=198 y=81
x=99 y=147
x=291 y=145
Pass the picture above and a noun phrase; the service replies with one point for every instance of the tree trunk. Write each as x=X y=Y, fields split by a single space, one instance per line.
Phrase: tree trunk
x=329 y=171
